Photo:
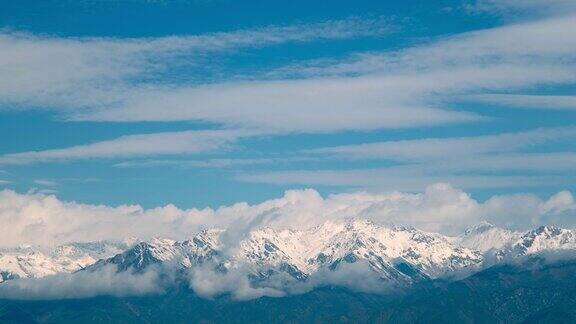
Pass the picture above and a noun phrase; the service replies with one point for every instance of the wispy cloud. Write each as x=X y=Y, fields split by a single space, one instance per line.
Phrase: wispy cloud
x=170 y=143
x=216 y=163
x=532 y=43
x=406 y=88
x=398 y=89
x=45 y=182
x=408 y=178
x=490 y=161
x=88 y=73
x=511 y=7
x=520 y=101
x=121 y=80
x=428 y=149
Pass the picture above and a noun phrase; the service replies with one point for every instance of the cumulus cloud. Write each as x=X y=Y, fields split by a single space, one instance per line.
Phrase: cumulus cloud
x=528 y=210
x=84 y=284
x=41 y=219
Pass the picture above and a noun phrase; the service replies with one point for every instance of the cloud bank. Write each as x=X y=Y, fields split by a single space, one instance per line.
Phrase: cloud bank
x=44 y=220
x=204 y=280
x=84 y=284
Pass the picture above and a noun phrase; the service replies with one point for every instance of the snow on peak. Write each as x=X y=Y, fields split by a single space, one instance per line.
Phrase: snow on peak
x=544 y=238
x=485 y=237
x=399 y=254
x=481 y=227
x=32 y=262
x=395 y=253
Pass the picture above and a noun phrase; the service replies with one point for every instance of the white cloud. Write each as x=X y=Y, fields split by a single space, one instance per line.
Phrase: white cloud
x=533 y=7
x=467 y=162
x=169 y=143
x=208 y=282
x=542 y=45
x=205 y=280
x=527 y=101
x=386 y=90
x=535 y=163
x=84 y=284
x=313 y=105
x=531 y=211
x=91 y=73
x=44 y=220
x=451 y=147
x=45 y=182
x=214 y=163
x=407 y=178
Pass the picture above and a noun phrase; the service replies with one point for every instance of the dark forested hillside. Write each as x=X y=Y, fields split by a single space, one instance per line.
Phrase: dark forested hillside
x=504 y=294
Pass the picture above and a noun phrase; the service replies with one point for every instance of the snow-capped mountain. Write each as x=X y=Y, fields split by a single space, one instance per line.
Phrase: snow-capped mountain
x=396 y=253
x=486 y=237
x=399 y=254
x=542 y=239
x=186 y=254
x=504 y=244
x=33 y=262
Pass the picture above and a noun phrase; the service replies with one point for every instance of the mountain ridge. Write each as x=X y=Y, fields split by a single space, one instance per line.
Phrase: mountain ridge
x=397 y=254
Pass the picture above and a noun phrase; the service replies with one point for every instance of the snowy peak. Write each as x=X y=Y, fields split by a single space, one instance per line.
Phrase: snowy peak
x=545 y=238
x=166 y=251
x=33 y=262
x=384 y=247
x=397 y=254
x=485 y=237
x=479 y=228
x=402 y=255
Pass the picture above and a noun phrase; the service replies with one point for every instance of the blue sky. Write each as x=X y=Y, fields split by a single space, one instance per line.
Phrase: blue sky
x=204 y=103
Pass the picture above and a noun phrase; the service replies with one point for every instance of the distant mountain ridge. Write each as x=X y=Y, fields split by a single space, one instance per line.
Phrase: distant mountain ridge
x=32 y=262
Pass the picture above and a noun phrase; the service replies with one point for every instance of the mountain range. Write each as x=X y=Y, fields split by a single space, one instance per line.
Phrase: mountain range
x=397 y=255
x=486 y=274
